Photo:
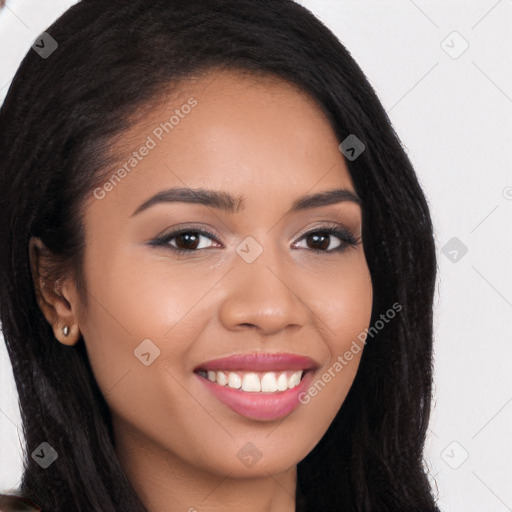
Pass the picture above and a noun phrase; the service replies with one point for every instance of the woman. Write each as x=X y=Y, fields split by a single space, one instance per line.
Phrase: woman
x=217 y=265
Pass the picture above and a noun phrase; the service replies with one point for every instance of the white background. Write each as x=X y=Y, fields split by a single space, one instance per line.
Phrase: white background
x=454 y=118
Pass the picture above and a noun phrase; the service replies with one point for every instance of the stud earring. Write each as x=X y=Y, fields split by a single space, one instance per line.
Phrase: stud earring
x=65 y=330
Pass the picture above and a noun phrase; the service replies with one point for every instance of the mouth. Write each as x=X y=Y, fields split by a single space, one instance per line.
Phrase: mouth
x=262 y=387
x=255 y=382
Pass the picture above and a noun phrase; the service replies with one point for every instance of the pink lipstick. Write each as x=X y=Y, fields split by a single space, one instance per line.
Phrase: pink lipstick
x=258 y=386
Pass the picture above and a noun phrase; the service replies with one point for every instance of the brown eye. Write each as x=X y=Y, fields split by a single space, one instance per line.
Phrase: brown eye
x=187 y=241
x=320 y=240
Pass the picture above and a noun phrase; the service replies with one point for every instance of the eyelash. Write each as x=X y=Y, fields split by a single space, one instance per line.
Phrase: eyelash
x=346 y=237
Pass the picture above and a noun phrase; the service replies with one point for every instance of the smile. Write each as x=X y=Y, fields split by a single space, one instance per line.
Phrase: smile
x=267 y=382
x=258 y=386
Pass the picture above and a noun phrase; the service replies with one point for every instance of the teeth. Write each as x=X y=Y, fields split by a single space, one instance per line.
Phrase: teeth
x=221 y=378
x=282 y=382
x=251 y=382
x=294 y=380
x=268 y=382
x=234 y=381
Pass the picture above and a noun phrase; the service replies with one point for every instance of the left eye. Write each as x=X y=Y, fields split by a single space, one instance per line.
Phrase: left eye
x=321 y=240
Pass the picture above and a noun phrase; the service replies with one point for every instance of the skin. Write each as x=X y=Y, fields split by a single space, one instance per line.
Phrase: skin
x=267 y=141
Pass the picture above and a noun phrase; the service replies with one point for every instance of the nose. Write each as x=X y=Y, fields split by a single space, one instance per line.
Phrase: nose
x=263 y=295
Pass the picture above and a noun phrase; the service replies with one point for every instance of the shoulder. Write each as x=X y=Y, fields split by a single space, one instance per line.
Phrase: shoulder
x=13 y=503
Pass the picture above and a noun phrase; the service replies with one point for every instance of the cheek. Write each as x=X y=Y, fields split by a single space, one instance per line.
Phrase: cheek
x=133 y=313
x=146 y=299
x=342 y=306
x=341 y=301
x=138 y=336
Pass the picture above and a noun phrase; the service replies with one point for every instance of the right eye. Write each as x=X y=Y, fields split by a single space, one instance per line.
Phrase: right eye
x=186 y=240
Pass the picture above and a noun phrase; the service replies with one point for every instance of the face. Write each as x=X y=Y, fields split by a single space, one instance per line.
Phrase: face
x=245 y=272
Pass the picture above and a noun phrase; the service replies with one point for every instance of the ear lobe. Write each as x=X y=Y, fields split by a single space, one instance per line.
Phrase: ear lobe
x=54 y=306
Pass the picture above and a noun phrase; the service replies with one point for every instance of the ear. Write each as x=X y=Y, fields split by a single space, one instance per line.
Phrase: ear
x=54 y=296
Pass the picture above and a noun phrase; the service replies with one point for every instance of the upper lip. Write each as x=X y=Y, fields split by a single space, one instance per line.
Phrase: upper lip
x=260 y=362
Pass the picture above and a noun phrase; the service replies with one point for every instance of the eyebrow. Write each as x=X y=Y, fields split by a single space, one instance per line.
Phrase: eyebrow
x=227 y=202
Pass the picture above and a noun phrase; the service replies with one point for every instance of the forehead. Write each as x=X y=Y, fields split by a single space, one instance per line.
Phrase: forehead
x=256 y=136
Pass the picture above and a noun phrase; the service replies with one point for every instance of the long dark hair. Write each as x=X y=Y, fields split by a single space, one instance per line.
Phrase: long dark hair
x=57 y=124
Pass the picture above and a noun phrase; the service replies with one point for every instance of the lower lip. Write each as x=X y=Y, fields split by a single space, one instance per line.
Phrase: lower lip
x=260 y=405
